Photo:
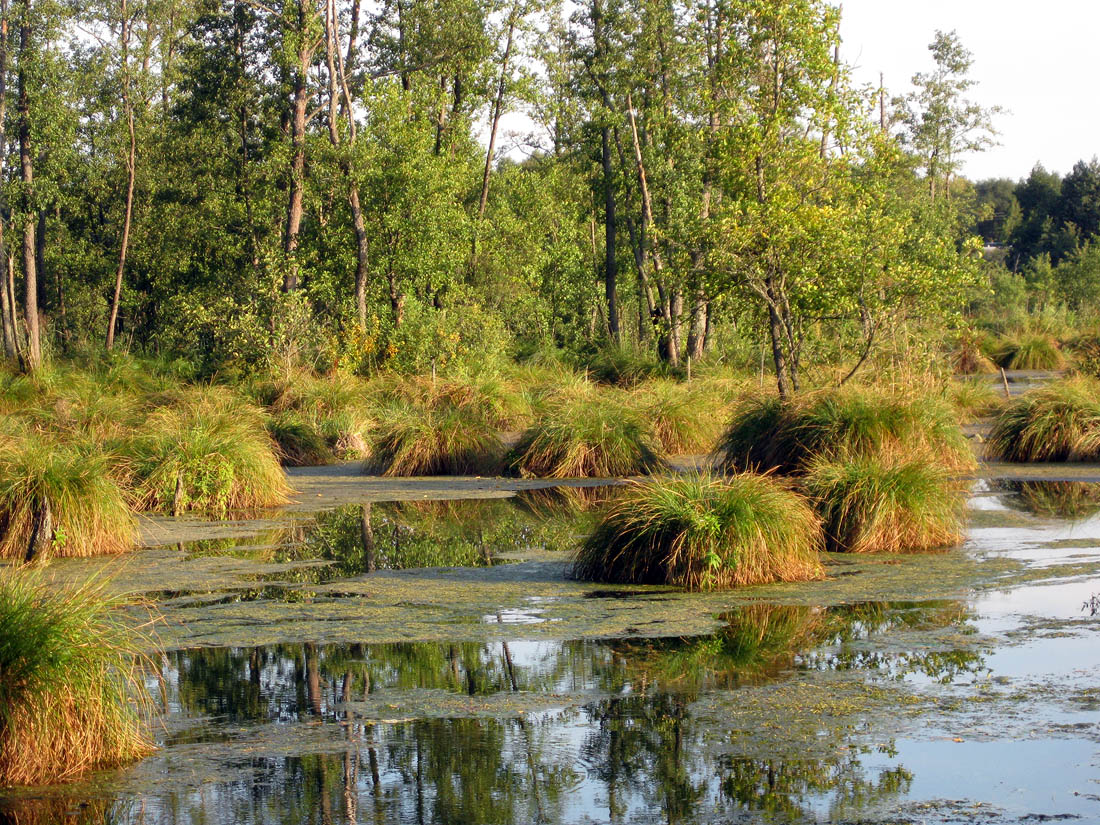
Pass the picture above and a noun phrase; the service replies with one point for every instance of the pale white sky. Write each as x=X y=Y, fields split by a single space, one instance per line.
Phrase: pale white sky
x=1038 y=60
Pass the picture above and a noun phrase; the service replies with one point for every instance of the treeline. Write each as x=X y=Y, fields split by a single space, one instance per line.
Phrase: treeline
x=1048 y=226
x=241 y=183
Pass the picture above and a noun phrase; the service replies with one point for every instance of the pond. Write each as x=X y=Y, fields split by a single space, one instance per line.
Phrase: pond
x=430 y=661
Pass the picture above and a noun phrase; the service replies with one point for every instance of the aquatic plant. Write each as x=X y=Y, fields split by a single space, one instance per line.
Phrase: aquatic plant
x=59 y=499
x=1028 y=351
x=886 y=503
x=702 y=533
x=441 y=439
x=1057 y=422
x=769 y=434
x=205 y=449
x=586 y=433
x=72 y=696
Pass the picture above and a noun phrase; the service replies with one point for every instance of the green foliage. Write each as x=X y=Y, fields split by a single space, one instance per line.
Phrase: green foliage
x=768 y=434
x=886 y=503
x=1057 y=422
x=208 y=451
x=586 y=433
x=62 y=496
x=704 y=533
x=72 y=694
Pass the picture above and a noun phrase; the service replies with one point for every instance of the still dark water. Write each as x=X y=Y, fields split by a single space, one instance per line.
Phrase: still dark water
x=938 y=710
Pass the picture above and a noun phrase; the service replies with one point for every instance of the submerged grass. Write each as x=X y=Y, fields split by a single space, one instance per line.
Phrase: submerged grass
x=1057 y=422
x=586 y=433
x=886 y=503
x=72 y=697
x=205 y=450
x=768 y=434
x=704 y=533
x=59 y=499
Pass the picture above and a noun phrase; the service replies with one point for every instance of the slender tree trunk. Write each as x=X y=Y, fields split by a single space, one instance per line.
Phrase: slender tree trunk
x=131 y=167
x=7 y=299
x=498 y=108
x=611 y=270
x=298 y=120
x=7 y=310
x=33 y=355
x=775 y=328
x=697 y=333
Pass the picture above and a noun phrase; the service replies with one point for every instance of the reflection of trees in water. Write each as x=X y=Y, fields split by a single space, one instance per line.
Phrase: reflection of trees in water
x=783 y=789
x=634 y=745
x=1064 y=499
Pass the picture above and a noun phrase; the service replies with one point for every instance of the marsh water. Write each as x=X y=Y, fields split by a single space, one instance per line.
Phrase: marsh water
x=430 y=661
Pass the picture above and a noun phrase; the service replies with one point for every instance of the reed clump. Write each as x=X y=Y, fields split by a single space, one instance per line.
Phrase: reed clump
x=1029 y=351
x=1057 y=422
x=886 y=503
x=768 y=434
x=702 y=533
x=207 y=450
x=684 y=418
x=72 y=696
x=443 y=438
x=60 y=498
x=586 y=433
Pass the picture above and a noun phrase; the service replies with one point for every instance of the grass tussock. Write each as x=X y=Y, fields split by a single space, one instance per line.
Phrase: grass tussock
x=483 y=396
x=768 y=434
x=72 y=697
x=968 y=356
x=59 y=499
x=1029 y=351
x=441 y=439
x=1057 y=422
x=886 y=504
x=975 y=397
x=704 y=533
x=205 y=450
x=684 y=418
x=586 y=433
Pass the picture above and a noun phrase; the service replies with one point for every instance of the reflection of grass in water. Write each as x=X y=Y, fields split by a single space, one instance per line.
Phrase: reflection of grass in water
x=759 y=641
x=1064 y=499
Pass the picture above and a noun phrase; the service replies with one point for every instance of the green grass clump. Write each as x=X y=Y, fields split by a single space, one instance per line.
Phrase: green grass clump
x=886 y=504
x=684 y=418
x=299 y=441
x=586 y=433
x=72 y=697
x=704 y=533
x=968 y=357
x=1029 y=351
x=768 y=434
x=59 y=499
x=974 y=397
x=440 y=439
x=205 y=450
x=1057 y=422
x=485 y=396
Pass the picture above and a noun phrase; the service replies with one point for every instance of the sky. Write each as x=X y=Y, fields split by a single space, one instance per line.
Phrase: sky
x=1038 y=60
